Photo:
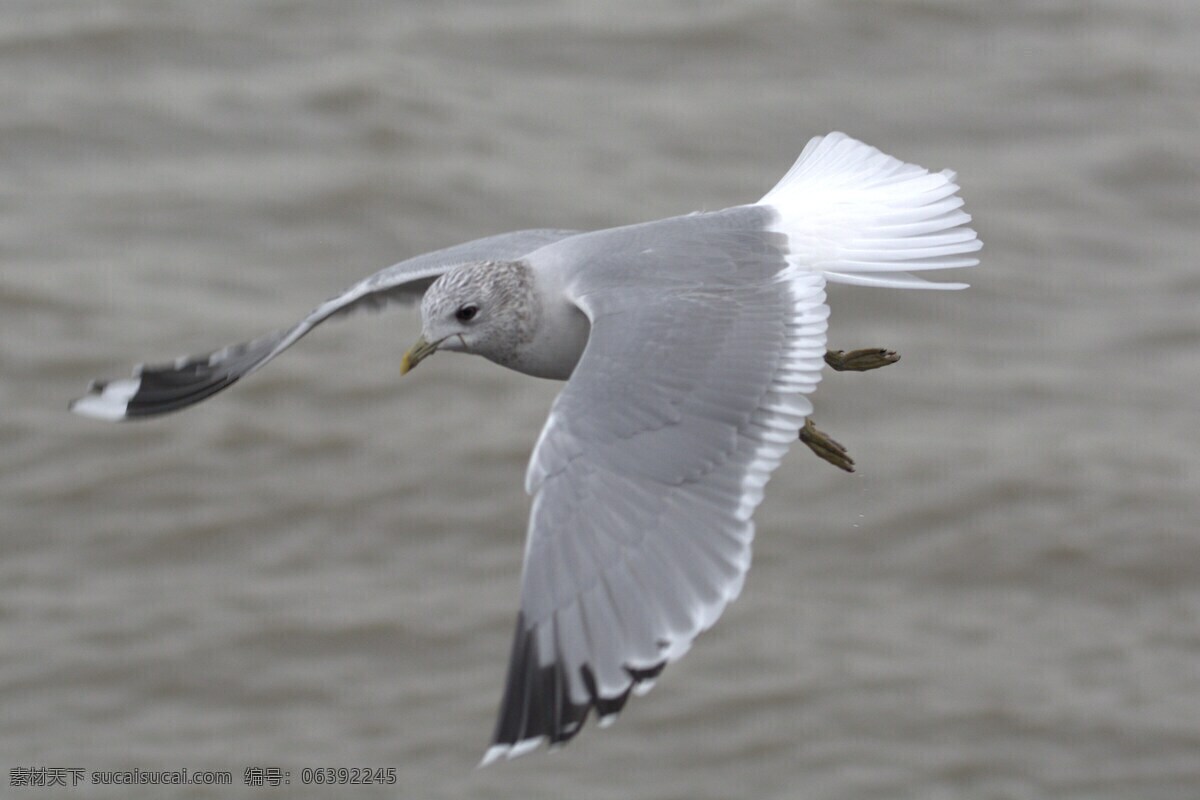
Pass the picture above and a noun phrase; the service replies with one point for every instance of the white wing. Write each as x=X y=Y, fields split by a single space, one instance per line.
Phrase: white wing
x=707 y=333
x=157 y=389
x=691 y=388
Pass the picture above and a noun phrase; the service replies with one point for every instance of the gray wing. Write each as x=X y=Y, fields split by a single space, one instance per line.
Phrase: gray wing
x=160 y=388
x=691 y=388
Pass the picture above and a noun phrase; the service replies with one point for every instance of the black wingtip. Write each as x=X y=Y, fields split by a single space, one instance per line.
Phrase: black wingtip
x=537 y=705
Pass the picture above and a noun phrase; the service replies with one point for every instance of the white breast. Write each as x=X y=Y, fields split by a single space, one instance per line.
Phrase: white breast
x=561 y=333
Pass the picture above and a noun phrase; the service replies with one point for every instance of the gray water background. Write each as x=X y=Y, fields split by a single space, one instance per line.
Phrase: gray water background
x=320 y=567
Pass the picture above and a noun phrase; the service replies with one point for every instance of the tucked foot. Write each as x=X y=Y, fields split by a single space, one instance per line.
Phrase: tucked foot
x=860 y=360
x=826 y=448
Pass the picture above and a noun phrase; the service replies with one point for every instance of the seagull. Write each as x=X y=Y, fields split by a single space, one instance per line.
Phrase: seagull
x=689 y=347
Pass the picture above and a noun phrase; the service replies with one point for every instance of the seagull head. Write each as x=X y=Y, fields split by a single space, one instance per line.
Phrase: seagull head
x=484 y=307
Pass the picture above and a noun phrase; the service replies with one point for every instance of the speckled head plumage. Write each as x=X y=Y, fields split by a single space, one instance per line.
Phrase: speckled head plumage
x=486 y=307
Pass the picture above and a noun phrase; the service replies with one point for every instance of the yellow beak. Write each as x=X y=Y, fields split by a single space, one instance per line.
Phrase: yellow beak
x=420 y=351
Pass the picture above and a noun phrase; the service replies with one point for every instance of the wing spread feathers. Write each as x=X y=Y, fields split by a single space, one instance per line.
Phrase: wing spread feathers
x=707 y=332
x=653 y=459
x=161 y=388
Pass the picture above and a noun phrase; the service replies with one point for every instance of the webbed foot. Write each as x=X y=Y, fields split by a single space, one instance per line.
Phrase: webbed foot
x=860 y=360
x=825 y=447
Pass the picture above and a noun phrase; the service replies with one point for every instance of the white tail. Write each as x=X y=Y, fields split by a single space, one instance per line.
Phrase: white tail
x=859 y=216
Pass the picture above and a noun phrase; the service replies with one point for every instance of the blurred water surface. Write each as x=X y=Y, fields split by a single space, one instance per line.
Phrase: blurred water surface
x=320 y=567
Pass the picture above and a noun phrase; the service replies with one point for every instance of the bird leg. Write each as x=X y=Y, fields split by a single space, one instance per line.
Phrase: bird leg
x=860 y=360
x=825 y=447
x=855 y=361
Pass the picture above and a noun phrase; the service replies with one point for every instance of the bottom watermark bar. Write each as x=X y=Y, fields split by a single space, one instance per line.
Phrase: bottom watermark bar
x=265 y=776
x=40 y=777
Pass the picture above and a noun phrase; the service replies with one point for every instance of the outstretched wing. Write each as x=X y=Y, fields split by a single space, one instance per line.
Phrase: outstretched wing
x=707 y=333
x=157 y=389
x=702 y=346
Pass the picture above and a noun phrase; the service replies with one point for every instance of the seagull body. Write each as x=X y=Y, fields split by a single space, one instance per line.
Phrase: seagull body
x=690 y=346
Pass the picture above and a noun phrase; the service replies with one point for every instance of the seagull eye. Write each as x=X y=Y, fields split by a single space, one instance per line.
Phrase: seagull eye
x=466 y=313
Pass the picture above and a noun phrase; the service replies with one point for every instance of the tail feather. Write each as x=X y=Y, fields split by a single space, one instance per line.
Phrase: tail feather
x=890 y=280
x=859 y=216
